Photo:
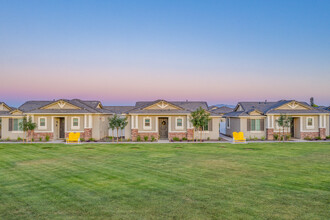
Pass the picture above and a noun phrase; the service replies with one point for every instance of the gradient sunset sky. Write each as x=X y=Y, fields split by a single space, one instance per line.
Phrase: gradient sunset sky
x=123 y=51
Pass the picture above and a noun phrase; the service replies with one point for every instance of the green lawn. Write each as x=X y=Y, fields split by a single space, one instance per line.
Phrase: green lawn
x=165 y=181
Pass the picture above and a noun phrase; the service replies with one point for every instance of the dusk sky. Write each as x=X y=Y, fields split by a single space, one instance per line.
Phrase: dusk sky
x=123 y=51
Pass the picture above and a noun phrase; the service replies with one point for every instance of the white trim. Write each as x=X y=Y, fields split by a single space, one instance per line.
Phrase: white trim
x=90 y=121
x=176 y=123
x=85 y=121
x=144 y=123
x=157 y=128
x=39 y=123
x=75 y=127
x=132 y=122
x=136 y=122
x=52 y=123
x=310 y=126
x=169 y=124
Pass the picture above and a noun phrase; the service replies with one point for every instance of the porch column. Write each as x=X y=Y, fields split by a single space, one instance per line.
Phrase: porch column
x=322 y=126
x=270 y=127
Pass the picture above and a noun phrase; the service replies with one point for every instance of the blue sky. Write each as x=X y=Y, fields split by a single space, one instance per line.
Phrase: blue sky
x=123 y=51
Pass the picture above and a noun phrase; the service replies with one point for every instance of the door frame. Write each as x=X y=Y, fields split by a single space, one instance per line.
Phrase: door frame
x=159 y=125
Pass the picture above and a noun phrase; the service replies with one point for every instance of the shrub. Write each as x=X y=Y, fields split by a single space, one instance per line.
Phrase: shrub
x=8 y=139
x=32 y=139
x=208 y=138
x=176 y=139
x=40 y=139
x=288 y=136
x=263 y=138
x=307 y=138
x=82 y=139
x=152 y=138
x=91 y=139
x=19 y=139
x=318 y=138
x=138 y=138
x=110 y=137
x=47 y=138
x=219 y=139
x=255 y=138
x=128 y=140
x=276 y=137
x=328 y=137
x=146 y=138
x=184 y=138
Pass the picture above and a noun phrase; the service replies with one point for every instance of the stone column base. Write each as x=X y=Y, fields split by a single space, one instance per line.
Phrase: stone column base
x=323 y=133
x=270 y=134
x=135 y=133
x=190 y=134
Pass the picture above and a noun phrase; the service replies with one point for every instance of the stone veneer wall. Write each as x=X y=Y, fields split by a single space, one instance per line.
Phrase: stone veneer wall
x=149 y=134
x=303 y=135
x=134 y=134
x=190 y=134
x=323 y=133
x=87 y=134
x=180 y=135
x=270 y=134
x=43 y=135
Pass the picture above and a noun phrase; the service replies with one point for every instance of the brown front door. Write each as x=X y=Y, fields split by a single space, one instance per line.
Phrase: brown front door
x=163 y=128
x=62 y=135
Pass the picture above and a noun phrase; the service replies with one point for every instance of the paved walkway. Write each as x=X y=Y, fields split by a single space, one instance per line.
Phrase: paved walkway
x=229 y=139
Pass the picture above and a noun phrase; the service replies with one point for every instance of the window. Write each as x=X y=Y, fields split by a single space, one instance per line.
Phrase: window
x=228 y=122
x=147 y=123
x=206 y=128
x=16 y=124
x=75 y=122
x=310 y=122
x=179 y=123
x=255 y=124
x=42 y=122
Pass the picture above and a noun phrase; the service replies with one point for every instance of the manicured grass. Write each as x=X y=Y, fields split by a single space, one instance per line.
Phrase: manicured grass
x=165 y=181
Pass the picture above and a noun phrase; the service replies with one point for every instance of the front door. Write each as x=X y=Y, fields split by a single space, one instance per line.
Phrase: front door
x=62 y=134
x=163 y=128
x=292 y=127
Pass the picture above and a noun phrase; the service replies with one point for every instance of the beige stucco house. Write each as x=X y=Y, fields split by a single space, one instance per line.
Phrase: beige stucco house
x=258 y=119
x=163 y=119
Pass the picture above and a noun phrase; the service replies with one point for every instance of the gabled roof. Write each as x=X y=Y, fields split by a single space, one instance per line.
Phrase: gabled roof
x=265 y=108
x=118 y=109
x=81 y=106
x=183 y=107
x=220 y=110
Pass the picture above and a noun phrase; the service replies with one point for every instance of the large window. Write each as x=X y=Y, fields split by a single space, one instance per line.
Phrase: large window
x=310 y=122
x=179 y=123
x=147 y=123
x=42 y=123
x=16 y=124
x=75 y=122
x=255 y=124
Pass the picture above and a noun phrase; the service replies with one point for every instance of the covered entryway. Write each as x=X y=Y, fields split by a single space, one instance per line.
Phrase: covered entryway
x=222 y=127
x=163 y=128
x=59 y=128
x=295 y=127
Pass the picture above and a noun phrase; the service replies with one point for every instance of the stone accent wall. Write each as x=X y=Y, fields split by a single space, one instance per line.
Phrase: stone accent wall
x=180 y=135
x=309 y=134
x=323 y=133
x=270 y=134
x=42 y=135
x=87 y=133
x=149 y=134
x=134 y=134
x=190 y=134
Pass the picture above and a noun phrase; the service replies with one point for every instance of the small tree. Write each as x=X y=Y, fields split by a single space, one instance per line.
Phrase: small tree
x=200 y=119
x=117 y=123
x=27 y=126
x=284 y=121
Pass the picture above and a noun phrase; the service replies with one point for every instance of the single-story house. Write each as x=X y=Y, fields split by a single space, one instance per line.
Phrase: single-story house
x=258 y=119
x=221 y=111
x=163 y=119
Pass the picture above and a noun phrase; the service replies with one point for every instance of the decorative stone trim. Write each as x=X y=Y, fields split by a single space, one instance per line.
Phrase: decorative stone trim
x=323 y=133
x=303 y=135
x=190 y=134
x=149 y=134
x=270 y=134
x=43 y=135
x=134 y=134
x=180 y=135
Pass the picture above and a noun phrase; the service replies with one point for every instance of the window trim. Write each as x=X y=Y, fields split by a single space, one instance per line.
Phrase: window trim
x=176 y=123
x=39 y=123
x=18 y=130
x=228 y=123
x=72 y=125
x=144 y=123
x=310 y=126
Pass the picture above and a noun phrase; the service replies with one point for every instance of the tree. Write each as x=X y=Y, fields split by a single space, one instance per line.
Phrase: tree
x=27 y=126
x=117 y=123
x=312 y=101
x=200 y=119
x=284 y=121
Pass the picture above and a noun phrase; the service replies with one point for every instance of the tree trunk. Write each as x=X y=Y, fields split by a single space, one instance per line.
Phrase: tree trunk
x=117 y=135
